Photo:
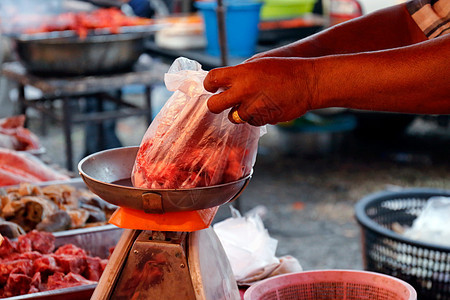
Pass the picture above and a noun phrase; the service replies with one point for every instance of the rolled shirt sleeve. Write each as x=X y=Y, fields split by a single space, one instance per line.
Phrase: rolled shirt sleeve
x=432 y=16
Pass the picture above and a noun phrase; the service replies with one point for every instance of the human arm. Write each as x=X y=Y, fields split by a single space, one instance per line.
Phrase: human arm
x=384 y=29
x=411 y=79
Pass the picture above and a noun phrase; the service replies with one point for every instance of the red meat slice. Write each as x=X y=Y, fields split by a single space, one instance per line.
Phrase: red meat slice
x=27 y=166
x=14 y=176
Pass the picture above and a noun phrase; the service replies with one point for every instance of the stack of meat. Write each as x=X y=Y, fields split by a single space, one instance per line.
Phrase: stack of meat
x=83 y=22
x=16 y=165
x=14 y=136
x=31 y=265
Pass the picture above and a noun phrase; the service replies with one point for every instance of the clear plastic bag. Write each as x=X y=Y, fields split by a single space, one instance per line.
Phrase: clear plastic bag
x=188 y=146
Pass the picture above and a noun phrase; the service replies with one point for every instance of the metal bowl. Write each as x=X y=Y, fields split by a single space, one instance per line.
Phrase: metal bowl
x=107 y=174
x=55 y=54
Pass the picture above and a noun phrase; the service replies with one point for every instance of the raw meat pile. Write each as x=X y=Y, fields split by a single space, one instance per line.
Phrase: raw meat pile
x=82 y=22
x=14 y=136
x=194 y=167
x=31 y=265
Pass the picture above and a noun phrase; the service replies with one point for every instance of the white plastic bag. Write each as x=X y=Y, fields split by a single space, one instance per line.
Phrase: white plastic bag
x=433 y=223
x=249 y=248
x=188 y=146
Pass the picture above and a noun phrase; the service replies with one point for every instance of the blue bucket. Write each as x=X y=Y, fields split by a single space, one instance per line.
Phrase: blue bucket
x=241 y=22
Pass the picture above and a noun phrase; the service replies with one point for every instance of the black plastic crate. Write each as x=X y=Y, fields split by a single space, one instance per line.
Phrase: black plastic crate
x=425 y=266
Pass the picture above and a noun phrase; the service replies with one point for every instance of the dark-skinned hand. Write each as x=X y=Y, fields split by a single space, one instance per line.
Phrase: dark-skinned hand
x=265 y=90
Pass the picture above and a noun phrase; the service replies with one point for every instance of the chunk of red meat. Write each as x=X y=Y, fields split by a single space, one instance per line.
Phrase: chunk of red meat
x=77 y=279
x=55 y=281
x=24 y=244
x=70 y=249
x=103 y=263
x=110 y=251
x=94 y=268
x=71 y=263
x=198 y=165
x=36 y=283
x=44 y=242
x=46 y=264
x=59 y=280
x=33 y=255
x=7 y=248
x=18 y=284
x=21 y=266
x=33 y=289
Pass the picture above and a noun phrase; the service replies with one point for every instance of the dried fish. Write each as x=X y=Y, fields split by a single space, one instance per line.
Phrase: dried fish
x=12 y=209
x=95 y=213
x=10 y=229
x=58 y=221
x=79 y=217
x=94 y=200
x=28 y=189
x=4 y=200
x=62 y=194
x=37 y=209
x=52 y=208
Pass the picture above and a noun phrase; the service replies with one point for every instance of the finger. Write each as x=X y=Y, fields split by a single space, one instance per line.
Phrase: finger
x=219 y=102
x=237 y=115
x=217 y=78
x=234 y=117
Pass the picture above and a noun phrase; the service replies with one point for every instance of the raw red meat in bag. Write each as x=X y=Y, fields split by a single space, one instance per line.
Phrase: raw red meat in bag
x=186 y=145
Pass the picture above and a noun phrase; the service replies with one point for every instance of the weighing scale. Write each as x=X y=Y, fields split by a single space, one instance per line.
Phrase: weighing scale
x=152 y=264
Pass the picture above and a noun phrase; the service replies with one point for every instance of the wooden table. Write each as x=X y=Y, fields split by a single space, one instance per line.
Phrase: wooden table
x=70 y=89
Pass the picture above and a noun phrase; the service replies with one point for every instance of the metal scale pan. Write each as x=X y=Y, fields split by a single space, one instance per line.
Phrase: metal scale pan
x=107 y=173
x=162 y=265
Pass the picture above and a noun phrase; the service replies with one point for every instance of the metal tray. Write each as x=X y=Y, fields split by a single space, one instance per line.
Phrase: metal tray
x=64 y=53
x=96 y=241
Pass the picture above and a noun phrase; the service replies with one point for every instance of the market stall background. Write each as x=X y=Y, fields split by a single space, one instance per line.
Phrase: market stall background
x=307 y=197
x=305 y=184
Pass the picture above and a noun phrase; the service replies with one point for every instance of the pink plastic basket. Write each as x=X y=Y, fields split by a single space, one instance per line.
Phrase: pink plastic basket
x=331 y=285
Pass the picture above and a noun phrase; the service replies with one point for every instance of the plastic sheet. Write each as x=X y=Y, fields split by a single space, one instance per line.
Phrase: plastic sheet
x=433 y=223
x=249 y=248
